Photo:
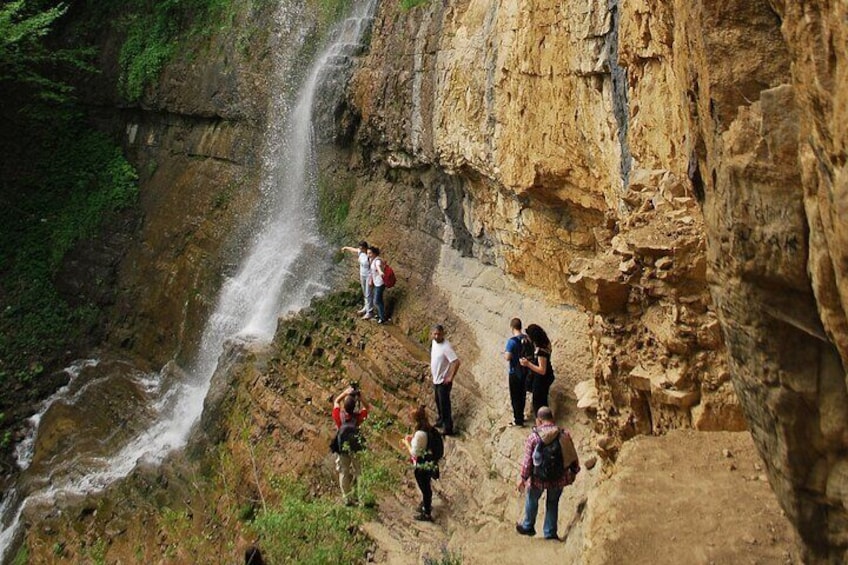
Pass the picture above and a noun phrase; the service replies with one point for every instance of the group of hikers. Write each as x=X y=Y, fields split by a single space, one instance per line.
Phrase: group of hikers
x=549 y=462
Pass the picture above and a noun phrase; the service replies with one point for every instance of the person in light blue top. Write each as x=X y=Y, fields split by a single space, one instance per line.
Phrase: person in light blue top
x=364 y=276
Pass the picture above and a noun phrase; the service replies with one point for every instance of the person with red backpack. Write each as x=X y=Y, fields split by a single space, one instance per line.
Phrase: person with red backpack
x=550 y=463
x=378 y=282
x=348 y=441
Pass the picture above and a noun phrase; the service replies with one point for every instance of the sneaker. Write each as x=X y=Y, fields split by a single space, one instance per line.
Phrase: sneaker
x=423 y=517
x=516 y=424
x=381 y=322
x=525 y=531
x=367 y=316
x=553 y=538
x=361 y=311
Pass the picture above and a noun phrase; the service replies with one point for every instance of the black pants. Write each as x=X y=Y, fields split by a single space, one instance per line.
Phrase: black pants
x=518 y=396
x=424 y=479
x=541 y=387
x=443 y=406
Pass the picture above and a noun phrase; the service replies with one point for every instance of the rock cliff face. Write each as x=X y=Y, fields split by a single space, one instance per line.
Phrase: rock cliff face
x=197 y=137
x=678 y=168
x=675 y=167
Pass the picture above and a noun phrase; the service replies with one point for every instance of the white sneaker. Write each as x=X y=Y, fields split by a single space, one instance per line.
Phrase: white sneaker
x=367 y=316
x=361 y=311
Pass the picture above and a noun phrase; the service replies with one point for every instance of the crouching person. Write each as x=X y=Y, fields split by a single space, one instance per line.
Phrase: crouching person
x=348 y=441
x=550 y=463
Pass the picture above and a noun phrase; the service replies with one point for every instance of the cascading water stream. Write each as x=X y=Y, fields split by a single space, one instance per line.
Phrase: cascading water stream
x=285 y=266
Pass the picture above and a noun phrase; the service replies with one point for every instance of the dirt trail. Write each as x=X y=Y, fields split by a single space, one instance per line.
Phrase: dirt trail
x=672 y=499
x=475 y=503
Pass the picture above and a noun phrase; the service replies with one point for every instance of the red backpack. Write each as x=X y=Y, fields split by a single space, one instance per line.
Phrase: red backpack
x=389 y=278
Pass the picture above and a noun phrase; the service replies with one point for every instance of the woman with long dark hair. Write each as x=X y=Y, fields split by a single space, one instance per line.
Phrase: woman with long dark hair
x=542 y=371
x=425 y=469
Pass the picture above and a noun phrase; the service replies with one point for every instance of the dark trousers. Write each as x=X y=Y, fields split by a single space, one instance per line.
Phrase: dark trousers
x=424 y=479
x=443 y=406
x=541 y=387
x=518 y=396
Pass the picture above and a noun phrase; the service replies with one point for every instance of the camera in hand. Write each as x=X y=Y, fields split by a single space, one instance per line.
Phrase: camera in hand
x=355 y=386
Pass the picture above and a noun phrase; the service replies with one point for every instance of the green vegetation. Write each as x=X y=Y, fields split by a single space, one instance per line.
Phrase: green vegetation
x=304 y=529
x=301 y=528
x=24 y=57
x=58 y=182
x=22 y=556
x=409 y=4
x=97 y=552
x=447 y=557
x=157 y=30
x=72 y=184
x=330 y=11
x=334 y=196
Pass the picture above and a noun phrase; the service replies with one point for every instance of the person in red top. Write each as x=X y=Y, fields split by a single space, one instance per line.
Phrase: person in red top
x=347 y=465
x=546 y=431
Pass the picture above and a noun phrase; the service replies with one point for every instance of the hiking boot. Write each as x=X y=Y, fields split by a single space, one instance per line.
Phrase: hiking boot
x=423 y=517
x=525 y=531
x=552 y=538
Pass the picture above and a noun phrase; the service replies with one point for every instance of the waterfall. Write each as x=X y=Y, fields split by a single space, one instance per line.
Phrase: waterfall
x=285 y=266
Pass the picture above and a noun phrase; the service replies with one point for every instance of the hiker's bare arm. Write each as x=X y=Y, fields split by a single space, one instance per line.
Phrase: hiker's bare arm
x=538 y=369
x=507 y=355
x=454 y=367
x=520 y=484
x=340 y=398
x=351 y=249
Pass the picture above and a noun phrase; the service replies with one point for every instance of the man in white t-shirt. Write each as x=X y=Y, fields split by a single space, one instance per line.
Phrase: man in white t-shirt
x=443 y=366
x=364 y=275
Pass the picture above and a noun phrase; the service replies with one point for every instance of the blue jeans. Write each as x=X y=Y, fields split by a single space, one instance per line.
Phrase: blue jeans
x=531 y=510
x=378 y=301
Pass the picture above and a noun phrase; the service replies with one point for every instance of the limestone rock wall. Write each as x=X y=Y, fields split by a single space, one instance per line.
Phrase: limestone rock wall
x=572 y=176
x=677 y=168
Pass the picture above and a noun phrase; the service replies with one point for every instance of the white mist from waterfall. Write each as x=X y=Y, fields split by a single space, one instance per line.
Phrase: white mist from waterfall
x=284 y=268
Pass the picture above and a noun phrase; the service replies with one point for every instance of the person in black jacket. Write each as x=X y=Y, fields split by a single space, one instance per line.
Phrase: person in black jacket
x=543 y=371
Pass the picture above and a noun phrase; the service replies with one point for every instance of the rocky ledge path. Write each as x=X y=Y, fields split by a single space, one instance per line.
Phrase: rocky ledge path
x=685 y=497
